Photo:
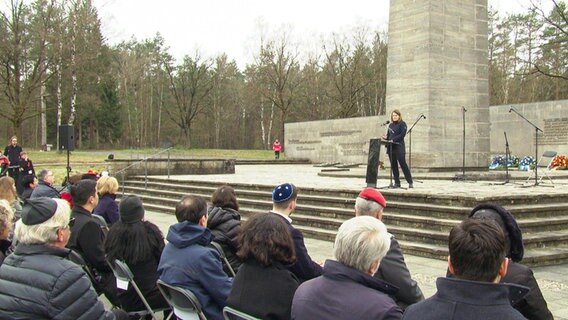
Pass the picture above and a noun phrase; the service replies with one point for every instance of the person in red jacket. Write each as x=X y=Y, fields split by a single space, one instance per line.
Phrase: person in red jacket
x=277 y=147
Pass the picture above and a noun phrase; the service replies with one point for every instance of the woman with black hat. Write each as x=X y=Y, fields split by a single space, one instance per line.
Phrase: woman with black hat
x=139 y=244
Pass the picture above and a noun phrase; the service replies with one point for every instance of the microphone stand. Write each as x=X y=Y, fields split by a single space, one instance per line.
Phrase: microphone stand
x=507 y=156
x=537 y=129
x=462 y=177
x=409 y=132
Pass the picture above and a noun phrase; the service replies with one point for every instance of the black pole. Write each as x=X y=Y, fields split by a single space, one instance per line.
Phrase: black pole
x=68 y=166
x=507 y=153
x=464 y=110
x=537 y=129
x=409 y=132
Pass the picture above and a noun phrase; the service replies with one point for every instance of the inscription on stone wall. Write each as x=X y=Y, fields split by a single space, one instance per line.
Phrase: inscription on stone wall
x=339 y=133
x=296 y=141
x=352 y=149
x=555 y=132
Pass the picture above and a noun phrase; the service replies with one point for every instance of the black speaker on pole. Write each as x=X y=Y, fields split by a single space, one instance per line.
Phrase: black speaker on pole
x=66 y=137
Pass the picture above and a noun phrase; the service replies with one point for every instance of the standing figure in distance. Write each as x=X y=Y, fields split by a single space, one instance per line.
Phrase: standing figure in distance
x=26 y=169
x=397 y=153
x=12 y=151
x=277 y=147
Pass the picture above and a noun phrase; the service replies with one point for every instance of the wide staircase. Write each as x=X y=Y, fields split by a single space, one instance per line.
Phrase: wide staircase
x=420 y=222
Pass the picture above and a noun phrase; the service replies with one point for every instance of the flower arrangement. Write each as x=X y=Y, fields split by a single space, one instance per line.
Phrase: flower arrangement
x=526 y=163
x=560 y=162
x=499 y=161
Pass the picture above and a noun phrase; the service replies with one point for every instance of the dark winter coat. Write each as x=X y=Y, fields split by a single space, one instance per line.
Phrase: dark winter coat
x=13 y=154
x=188 y=261
x=304 y=268
x=145 y=273
x=344 y=293
x=225 y=225
x=468 y=300
x=532 y=306
x=45 y=190
x=107 y=208
x=26 y=168
x=397 y=134
x=87 y=238
x=38 y=282
x=264 y=292
x=393 y=270
x=5 y=246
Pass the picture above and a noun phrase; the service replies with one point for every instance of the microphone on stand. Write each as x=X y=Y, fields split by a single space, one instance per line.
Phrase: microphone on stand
x=423 y=116
x=510 y=109
x=464 y=109
x=385 y=123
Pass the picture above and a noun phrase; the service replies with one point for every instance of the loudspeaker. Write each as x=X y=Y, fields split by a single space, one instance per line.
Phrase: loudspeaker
x=66 y=137
x=373 y=163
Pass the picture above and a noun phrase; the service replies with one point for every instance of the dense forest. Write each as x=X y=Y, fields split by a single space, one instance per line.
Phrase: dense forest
x=57 y=68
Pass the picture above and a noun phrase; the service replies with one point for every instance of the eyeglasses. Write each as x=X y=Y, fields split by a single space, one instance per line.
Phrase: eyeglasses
x=71 y=222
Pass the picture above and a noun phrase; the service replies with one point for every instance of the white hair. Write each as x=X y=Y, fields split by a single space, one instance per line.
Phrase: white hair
x=360 y=241
x=364 y=207
x=45 y=232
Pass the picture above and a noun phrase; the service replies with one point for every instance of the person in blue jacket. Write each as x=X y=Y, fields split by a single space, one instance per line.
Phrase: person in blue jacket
x=188 y=262
x=395 y=133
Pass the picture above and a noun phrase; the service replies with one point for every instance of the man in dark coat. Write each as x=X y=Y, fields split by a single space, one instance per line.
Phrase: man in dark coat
x=477 y=261
x=188 y=262
x=393 y=269
x=45 y=186
x=87 y=237
x=283 y=204
x=347 y=288
x=37 y=281
x=12 y=151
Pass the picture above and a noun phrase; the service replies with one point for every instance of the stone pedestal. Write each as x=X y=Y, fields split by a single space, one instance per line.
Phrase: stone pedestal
x=438 y=64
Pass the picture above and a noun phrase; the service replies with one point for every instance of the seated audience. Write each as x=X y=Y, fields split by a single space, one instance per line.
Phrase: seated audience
x=87 y=237
x=393 y=269
x=187 y=260
x=477 y=261
x=224 y=221
x=8 y=192
x=347 y=288
x=6 y=223
x=29 y=183
x=37 y=281
x=532 y=306
x=107 y=208
x=45 y=186
x=284 y=200
x=139 y=244
x=264 y=287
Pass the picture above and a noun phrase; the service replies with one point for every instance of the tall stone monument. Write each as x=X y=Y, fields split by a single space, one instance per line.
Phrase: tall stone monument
x=438 y=66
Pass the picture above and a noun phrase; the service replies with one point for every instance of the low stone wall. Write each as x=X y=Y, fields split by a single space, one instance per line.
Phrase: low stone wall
x=550 y=116
x=175 y=166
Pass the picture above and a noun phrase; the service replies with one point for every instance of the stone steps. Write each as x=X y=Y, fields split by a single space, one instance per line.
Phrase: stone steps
x=420 y=222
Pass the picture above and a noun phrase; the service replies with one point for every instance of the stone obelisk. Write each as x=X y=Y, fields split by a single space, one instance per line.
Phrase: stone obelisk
x=438 y=66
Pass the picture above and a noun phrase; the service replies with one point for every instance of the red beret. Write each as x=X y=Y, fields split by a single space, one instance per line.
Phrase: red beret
x=373 y=195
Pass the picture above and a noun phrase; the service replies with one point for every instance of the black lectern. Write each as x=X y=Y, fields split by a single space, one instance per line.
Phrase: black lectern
x=374 y=159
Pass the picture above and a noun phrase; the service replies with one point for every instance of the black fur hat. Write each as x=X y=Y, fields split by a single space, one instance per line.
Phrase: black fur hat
x=513 y=234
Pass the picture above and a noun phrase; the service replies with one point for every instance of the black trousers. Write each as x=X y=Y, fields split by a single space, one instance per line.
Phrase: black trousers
x=398 y=156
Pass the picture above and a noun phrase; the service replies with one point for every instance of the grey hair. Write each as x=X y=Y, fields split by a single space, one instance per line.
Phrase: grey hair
x=45 y=232
x=364 y=207
x=360 y=241
x=42 y=174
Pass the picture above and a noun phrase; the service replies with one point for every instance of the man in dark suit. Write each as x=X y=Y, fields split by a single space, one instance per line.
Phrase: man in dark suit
x=393 y=269
x=283 y=204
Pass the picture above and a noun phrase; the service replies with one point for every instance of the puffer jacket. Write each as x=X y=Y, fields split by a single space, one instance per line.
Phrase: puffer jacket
x=38 y=282
x=225 y=225
x=188 y=261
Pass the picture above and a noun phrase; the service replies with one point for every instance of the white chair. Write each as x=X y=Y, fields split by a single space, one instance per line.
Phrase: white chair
x=544 y=166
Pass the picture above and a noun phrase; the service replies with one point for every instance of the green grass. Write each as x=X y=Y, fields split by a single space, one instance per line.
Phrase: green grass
x=82 y=161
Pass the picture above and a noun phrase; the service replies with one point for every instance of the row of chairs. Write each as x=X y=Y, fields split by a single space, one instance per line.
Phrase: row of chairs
x=182 y=301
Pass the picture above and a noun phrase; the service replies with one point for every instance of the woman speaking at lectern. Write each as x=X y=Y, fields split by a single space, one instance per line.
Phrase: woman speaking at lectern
x=395 y=133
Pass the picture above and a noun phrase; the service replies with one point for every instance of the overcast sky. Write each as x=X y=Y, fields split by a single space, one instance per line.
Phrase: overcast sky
x=232 y=26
